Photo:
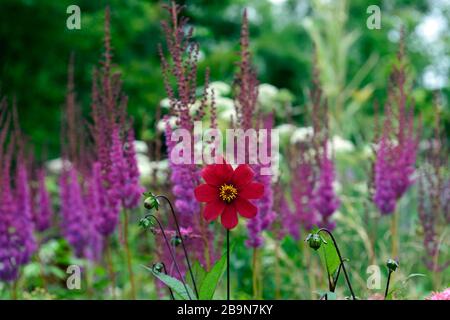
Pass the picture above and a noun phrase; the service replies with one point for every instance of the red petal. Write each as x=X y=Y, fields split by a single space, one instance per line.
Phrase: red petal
x=225 y=171
x=205 y=193
x=229 y=217
x=217 y=174
x=213 y=209
x=245 y=208
x=253 y=190
x=242 y=175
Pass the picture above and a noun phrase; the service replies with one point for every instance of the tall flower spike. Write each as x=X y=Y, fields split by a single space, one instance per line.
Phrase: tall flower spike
x=302 y=185
x=24 y=227
x=326 y=201
x=397 y=146
x=133 y=189
x=245 y=81
x=433 y=198
x=44 y=210
x=266 y=215
x=17 y=243
x=10 y=246
x=77 y=224
x=180 y=68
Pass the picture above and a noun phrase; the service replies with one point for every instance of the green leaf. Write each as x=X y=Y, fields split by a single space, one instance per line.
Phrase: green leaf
x=400 y=286
x=328 y=255
x=212 y=278
x=329 y=295
x=199 y=274
x=176 y=285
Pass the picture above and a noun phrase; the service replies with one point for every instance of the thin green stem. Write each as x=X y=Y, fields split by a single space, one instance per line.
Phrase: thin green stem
x=387 y=285
x=182 y=242
x=172 y=253
x=228 y=264
x=340 y=258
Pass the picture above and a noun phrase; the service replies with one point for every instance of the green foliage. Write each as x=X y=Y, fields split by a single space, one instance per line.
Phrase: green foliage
x=185 y=292
x=212 y=278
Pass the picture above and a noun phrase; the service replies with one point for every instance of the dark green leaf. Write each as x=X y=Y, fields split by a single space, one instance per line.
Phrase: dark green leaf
x=175 y=284
x=212 y=278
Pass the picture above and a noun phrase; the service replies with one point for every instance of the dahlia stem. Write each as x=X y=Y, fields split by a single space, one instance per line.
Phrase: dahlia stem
x=182 y=241
x=110 y=267
x=128 y=255
x=340 y=258
x=172 y=254
x=228 y=264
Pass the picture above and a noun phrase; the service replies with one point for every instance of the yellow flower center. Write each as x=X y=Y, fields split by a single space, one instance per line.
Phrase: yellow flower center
x=227 y=192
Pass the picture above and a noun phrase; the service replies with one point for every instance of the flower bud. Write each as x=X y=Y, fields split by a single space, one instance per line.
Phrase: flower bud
x=314 y=241
x=392 y=265
x=145 y=223
x=158 y=267
x=150 y=201
x=175 y=241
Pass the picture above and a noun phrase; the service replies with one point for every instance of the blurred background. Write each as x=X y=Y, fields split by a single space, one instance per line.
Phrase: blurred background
x=355 y=64
x=35 y=46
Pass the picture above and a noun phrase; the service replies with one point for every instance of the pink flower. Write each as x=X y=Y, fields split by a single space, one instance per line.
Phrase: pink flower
x=444 y=295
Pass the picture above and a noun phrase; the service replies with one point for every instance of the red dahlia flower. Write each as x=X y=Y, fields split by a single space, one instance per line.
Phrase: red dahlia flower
x=227 y=191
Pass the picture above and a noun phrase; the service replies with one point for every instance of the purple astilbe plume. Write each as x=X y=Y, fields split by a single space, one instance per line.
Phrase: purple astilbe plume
x=433 y=198
x=10 y=246
x=397 y=146
x=325 y=199
x=43 y=211
x=123 y=173
x=286 y=222
x=114 y=149
x=245 y=103
x=287 y=215
x=246 y=81
x=302 y=186
x=313 y=192
x=78 y=226
x=384 y=196
x=133 y=189
x=188 y=209
x=263 y=220
x=99 y=205
x=17 y=243
x=180 y=68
